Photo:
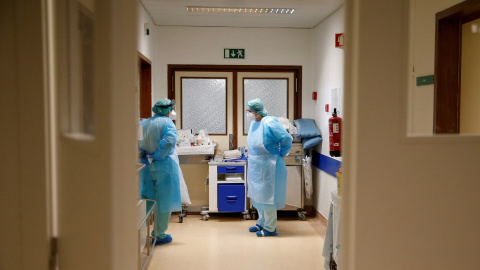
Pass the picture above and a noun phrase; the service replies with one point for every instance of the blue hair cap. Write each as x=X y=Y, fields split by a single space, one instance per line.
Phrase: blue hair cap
x=257 y=106
x=163 y=106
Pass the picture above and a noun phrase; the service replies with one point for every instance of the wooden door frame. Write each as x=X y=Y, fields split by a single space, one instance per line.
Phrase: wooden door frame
x=297 y=71
x=145 y=81
x=448 y=54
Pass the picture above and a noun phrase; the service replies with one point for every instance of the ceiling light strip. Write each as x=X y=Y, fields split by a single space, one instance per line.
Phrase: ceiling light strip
x=240 y=10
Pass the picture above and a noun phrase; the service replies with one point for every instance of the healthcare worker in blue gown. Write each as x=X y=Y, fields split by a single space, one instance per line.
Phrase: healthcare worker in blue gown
x=160 y=180
x=268 y=142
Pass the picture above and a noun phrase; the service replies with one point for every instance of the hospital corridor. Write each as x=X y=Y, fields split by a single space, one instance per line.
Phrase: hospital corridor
x=205 y=245
x=239 y=134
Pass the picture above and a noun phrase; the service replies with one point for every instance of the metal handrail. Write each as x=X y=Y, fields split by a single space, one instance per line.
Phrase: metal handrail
x=151 y=219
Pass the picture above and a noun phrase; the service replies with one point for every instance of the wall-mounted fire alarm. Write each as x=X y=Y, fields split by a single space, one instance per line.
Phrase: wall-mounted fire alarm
x=339 y=40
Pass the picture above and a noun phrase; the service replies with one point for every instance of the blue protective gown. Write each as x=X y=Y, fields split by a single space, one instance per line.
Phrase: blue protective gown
x=160 y=180
x=268 y=142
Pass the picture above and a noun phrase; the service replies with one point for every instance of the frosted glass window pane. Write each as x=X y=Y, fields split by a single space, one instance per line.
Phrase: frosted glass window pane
x=272 y=92
x=204 y=105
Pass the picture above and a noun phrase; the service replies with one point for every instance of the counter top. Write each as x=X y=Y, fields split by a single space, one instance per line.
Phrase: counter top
x=196 y=150
x=227 y=163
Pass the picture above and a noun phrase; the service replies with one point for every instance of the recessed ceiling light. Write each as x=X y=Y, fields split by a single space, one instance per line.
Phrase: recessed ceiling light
x=240 y=10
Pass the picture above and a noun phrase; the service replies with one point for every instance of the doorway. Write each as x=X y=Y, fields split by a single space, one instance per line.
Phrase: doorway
x=226 y=90
x=454 y=80
x=145 y=86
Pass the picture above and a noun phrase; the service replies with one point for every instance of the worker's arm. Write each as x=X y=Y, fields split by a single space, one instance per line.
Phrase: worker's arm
x=167 y=143
x=142 y=156
x=278 y=134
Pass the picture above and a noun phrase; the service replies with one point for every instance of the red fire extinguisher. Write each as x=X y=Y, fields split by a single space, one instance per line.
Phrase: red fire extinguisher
x=335 y=130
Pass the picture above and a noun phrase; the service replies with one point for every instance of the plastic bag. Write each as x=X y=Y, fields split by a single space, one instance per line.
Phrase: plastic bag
x=287 y=125
x=183 y=186
x=307 y=171
x=183 y=189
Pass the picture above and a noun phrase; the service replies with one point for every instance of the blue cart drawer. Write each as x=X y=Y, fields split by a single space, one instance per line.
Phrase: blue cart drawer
x=231 y=198
x=230 y=169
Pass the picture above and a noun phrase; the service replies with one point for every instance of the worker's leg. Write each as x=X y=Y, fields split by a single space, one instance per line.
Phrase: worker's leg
x=261 y=216
x=260 y=221
x=267 y=217
x=269 y=212
x=161 y=227
x=270 y=217
x=162 y=224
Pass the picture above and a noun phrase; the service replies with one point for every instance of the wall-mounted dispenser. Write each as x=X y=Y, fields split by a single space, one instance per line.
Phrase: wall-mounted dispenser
x=146 y=28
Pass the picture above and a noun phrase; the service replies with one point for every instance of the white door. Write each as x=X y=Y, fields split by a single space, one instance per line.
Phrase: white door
x=217 y=99
x=93 y=66
x=204 y=100
x=24 y=156
x=276 y=90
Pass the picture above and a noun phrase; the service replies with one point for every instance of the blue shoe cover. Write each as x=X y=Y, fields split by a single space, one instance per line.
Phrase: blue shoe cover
x=166 y=240
x=267 y=233
x=255 y=228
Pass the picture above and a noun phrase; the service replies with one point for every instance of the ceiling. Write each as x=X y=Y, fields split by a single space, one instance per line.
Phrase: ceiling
x=307 y=14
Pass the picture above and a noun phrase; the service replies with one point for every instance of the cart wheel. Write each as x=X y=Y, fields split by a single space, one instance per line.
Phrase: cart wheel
x=205 y=217
x=301 y=216
x=253 y=216
x=180 y=219
x=246 y=216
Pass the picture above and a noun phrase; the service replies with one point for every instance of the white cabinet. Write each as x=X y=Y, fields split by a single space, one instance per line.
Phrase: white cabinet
x=227 y=188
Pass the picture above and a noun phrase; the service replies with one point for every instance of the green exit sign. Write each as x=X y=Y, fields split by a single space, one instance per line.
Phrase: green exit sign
x=425 y=80
x=234 y=53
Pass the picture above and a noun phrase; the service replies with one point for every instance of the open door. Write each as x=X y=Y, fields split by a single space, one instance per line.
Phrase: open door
x=94 y=132
x=145 y=86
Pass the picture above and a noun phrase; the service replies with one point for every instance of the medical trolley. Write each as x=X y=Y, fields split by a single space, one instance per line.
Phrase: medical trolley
x=295 y=180
x=227 y=188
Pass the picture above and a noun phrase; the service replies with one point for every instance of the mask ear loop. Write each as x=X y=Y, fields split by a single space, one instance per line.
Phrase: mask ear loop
x=256 y=116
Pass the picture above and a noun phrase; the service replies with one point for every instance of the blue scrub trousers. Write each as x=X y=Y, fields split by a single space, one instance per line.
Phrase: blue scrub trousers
x=162 y=222
x=267 y=216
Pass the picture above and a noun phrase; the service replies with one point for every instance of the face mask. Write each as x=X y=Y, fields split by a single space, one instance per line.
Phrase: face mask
x=173 y=115
x=250 y=117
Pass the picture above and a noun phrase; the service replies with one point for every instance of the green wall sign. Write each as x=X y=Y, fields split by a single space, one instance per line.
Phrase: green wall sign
x=425 y=80
x=234 y=53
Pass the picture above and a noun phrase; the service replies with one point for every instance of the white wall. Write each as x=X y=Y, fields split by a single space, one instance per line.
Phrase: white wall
x=409 y=203
x=328 y=73
x=24 y=225
x=145 y=44
x=204 y=45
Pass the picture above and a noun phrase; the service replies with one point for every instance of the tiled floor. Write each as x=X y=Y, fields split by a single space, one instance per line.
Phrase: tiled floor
x=224 y=242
